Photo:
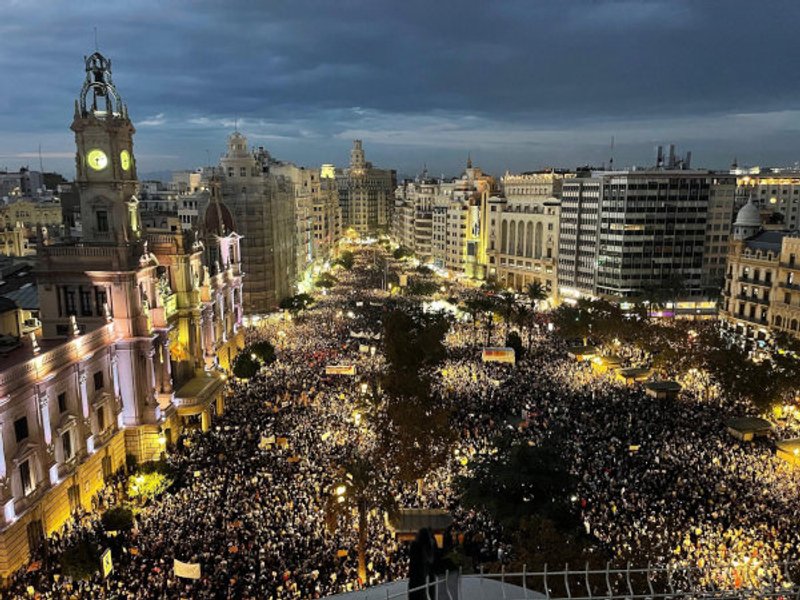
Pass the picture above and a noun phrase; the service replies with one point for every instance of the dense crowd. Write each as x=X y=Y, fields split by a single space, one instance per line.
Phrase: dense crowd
x=658 y=480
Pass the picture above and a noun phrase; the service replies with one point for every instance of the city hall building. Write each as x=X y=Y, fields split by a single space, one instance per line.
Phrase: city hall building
x=138 y=329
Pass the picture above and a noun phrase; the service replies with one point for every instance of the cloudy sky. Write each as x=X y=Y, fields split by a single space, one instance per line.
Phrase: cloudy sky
x=519 y=84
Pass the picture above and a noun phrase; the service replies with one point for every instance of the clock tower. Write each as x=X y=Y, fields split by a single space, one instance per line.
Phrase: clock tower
x=104 y=163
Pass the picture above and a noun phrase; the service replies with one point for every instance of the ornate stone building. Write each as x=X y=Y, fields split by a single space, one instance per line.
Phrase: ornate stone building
x=524 y=230
x=761 y=296
x=264 y=208
x=365 y=193
x=137 y=330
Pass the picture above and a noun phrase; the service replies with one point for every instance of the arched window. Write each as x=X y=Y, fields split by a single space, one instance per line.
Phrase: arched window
x=520 y=238
x=504 y=237
x=539 y=240
x=529 y=240
x=794 y=325
x=512 y=237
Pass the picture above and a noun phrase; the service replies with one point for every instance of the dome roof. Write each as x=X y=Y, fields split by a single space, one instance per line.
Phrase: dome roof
x=217 y=219
x=748 y=216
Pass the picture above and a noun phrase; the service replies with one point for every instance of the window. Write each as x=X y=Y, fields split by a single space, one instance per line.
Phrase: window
x=100 y=298
x=98 y=380
x=101 y=418
x=243 y=171
x=102 y=221
x=62 y=402
x=69 y=301
x=21 y=429
x=25 y=477
x=86 y=303
x=66 y=441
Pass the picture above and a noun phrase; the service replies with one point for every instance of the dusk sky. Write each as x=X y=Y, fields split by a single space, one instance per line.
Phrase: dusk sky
x=519 y=84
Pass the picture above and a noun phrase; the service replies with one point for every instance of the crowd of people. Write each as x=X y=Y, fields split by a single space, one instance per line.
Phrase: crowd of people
x=659 y=481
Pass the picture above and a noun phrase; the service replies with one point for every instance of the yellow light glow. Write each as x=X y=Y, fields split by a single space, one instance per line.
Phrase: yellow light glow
x=340 y=490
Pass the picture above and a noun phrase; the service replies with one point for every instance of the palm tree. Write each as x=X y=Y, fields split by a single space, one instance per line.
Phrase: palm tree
x=506 y=304
x=361 y=489
x=473 y=306
x=525 y=318
x=536 y=292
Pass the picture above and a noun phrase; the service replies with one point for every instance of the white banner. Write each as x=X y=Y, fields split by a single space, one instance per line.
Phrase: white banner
x=187 y=570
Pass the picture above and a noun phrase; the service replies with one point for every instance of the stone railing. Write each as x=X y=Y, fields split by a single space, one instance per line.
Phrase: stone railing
x=38 y=366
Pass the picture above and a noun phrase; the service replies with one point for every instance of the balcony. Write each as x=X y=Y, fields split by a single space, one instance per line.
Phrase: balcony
x=762 y=301
x=757 y=282
x=789 y=286
x=754 y=320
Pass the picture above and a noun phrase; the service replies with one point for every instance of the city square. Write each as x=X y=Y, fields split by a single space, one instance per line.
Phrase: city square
x=290 y=372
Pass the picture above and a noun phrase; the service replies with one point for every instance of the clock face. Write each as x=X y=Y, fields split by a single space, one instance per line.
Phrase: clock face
x=97 y=159
x=125 y=160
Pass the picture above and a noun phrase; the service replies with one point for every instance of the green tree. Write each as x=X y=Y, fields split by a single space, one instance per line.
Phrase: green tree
x=475 y=306
x=535 y=292
x=325 y=280
x=345 y=260
x=245 y=366
x=360 y=489
x=118 y=518
x=422 y=287
x=413 y=339
x=514 y=341
x=506 y=304
x=525 y=319
x=296 y=303
x=81 y=560
x=263 y=350
x=146 y=486
x=402 y=252
x=519 y=482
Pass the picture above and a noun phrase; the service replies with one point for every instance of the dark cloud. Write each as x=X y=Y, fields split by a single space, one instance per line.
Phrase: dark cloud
x=520 y=83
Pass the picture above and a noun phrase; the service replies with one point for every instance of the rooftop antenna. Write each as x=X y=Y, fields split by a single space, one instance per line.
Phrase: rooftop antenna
x=611 y=160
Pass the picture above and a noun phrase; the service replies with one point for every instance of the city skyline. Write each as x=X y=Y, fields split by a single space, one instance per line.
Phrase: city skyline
x=520 y=87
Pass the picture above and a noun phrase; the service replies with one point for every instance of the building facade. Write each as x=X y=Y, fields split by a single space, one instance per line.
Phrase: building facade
x=628 y=234
x=773 y=189
x=136 y=331
x=524 y=224
x=263 y=206
x=761 y=296
x=365 y=193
